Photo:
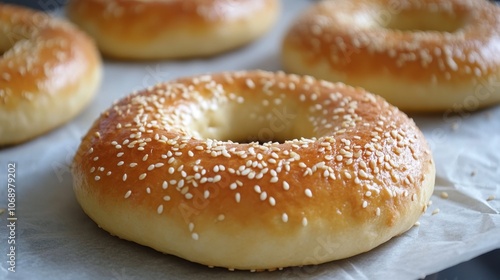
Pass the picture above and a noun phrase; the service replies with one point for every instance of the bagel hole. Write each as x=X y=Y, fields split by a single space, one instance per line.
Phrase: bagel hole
x=255 y=123
x=425 y=21
x=9 y=39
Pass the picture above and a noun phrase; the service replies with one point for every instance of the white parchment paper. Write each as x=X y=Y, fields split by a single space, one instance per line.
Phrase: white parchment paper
x=56 y=240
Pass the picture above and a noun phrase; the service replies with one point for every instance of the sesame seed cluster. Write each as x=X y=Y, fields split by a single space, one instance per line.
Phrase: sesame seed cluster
x=49 y=71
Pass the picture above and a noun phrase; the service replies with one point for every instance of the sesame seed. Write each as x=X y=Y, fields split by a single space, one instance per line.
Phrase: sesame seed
x=257 y=189
x=286 y=186
x=164 y=185
x=180 y=183
x=444 y=195
x=250 y=83
x=308 y=193
x=414 y=197
x=142 y=176
x=195 y=236
x=237 y=197
x=221 y=217
x=304 y=221
x=263 y=196
x=166 y=198
x=246 y=172
x=124 y=178
x=160 y=209
x=128 y=193
x=378 y=211
x=272 y=201
x=284 y=217
x=97 y=178
x=365 y=204
x=217 y=178
x=435 y=211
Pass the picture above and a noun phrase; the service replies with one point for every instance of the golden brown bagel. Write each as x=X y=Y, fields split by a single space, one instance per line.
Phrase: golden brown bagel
x=420 y=55
x=159 y=168
x=49 y=71
x=159 y=29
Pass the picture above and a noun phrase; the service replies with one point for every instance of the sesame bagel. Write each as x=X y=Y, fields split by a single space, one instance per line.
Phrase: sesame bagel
x=49 y=71
x=158 y=29
x=254 y=170
x=420 y=55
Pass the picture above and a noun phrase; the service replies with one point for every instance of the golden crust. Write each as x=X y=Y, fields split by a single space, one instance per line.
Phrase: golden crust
x=349 y=170
x=49 y=71
x=172 y=29
x=385 y=47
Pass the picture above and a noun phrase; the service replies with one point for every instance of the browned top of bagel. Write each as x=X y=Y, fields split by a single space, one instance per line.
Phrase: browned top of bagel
x=421 y=40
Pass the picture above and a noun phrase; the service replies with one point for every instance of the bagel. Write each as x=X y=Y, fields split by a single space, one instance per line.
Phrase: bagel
x=254 y=170
x=158 y=29
x=420 y=55
x=49 y=71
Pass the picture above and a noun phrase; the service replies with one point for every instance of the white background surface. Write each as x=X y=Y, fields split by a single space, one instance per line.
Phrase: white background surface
x=56 y=240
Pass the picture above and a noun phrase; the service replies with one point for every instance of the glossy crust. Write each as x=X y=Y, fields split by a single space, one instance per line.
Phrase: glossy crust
x=49 y=72
x=449 y=61
x=350 y=170
x=159 y=29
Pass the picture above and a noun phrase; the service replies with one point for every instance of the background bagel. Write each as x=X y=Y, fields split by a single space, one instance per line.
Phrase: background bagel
x=420 y=55
x=49 y=69
x=172 y=29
